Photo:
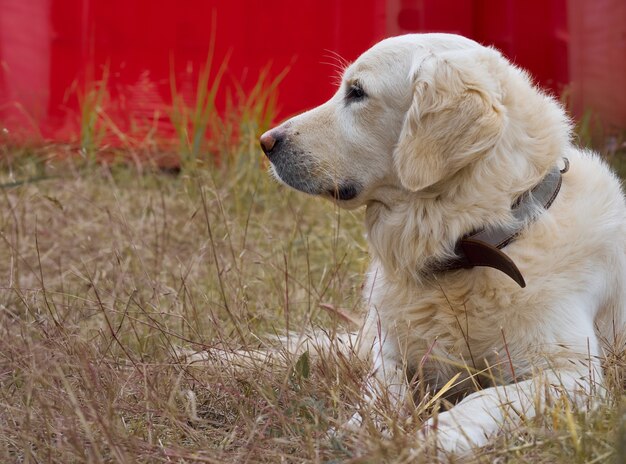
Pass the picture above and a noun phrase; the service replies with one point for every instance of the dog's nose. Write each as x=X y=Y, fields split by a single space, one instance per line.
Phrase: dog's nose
x=269 y=141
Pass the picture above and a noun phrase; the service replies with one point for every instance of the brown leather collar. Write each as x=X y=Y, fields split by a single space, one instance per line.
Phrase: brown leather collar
x=484 y=247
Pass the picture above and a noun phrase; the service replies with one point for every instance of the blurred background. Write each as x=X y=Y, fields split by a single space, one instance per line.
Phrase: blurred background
x=131 y=70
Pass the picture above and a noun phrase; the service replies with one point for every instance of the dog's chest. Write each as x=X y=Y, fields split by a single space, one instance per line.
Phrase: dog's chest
x=441 y=334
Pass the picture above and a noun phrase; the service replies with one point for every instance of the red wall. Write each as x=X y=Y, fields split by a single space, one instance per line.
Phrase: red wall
x=49 y=47
x=598 y=61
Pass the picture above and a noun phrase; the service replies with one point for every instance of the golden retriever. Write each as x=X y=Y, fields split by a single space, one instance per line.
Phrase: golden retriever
x=439 y=137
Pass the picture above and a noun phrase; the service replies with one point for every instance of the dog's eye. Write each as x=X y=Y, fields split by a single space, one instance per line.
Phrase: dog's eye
x=355 y=92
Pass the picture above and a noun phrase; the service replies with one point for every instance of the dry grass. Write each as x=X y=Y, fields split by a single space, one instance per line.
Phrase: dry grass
x=107 y=273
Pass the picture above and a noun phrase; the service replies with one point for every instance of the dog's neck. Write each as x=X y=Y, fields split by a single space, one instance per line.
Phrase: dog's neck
x=483 y=247
x=418 y=229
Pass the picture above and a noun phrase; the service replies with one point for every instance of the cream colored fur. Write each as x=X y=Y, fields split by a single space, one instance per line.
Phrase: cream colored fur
x=448 y=135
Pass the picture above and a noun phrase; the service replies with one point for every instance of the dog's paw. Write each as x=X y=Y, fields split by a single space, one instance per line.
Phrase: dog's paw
x=452 y=436
x=351 y=425
x=354 y=423
x=357 y=422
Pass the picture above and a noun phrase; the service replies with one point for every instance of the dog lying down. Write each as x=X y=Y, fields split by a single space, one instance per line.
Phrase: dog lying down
x=495 y=242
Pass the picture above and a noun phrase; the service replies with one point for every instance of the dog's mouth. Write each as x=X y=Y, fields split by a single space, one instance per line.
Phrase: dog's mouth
x=344 y=192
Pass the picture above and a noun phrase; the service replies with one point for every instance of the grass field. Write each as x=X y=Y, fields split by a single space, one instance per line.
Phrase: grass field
x=107 y=273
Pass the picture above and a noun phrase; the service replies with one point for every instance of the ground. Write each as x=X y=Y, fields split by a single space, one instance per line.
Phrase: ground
x=108 y=274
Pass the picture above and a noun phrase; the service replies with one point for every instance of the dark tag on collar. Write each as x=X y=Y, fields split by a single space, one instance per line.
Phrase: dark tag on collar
x=480 y=253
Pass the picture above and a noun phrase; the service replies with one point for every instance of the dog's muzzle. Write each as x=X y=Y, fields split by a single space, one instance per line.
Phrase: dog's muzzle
x=297 y=168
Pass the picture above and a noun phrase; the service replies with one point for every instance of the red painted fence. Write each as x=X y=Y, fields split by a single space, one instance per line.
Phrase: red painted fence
x=50 y=48
x=598 y=60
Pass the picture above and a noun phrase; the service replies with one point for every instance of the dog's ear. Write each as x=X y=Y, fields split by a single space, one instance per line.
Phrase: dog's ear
x=455 y=116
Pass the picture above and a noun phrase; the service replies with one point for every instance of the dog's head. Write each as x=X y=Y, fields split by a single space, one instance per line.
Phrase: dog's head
x=411 y=112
